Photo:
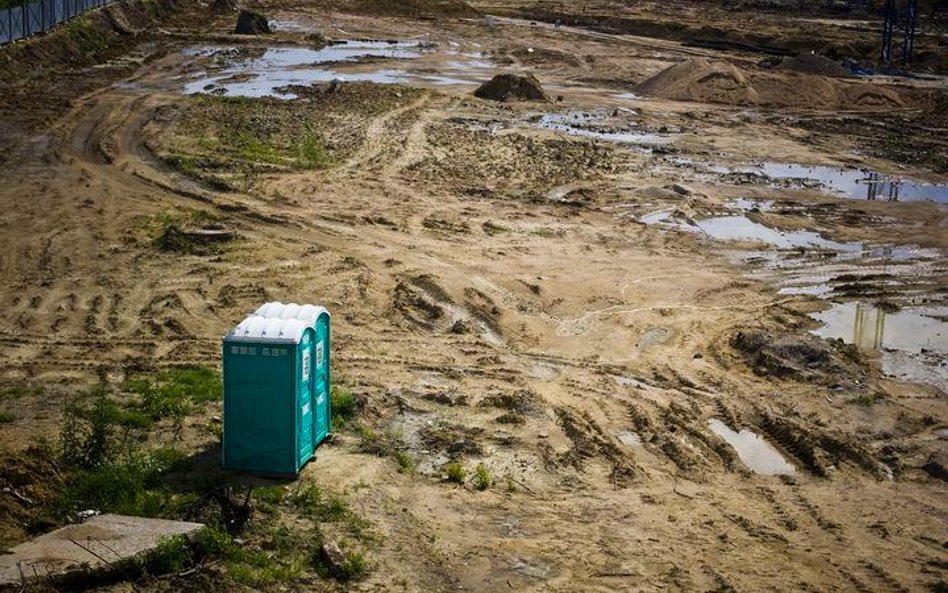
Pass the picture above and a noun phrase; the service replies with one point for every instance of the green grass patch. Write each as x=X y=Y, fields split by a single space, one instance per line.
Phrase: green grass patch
x=312 y=502
x=172 y=393
x=344 y=405
x=20 y=391
x=870 y=399
x=129 y=486
x=311 y=151
x=171 y=555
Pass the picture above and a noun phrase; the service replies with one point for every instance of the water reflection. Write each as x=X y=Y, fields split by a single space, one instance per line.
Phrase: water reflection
x=860 y=184
x=869 y=327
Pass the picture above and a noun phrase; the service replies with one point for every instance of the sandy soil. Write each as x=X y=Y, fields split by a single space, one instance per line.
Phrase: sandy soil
x=496 y=299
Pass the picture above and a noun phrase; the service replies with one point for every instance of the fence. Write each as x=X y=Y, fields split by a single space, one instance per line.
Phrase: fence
x=35 y=17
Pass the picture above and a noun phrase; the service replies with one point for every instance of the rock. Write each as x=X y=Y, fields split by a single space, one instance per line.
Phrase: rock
x=334 y=558
x=937 y=465
x=507 y=87
x=251 y=23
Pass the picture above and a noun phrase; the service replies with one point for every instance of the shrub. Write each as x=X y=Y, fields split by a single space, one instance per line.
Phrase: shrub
x=129 y=487
x=88 y=430
x=406 y=463
x=353 y=567
x=344 y=406
x=455 y=472
x=482 y=478
x=7 y=416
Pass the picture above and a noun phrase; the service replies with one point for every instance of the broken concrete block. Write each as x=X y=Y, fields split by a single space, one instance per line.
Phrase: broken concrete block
x=101 y=544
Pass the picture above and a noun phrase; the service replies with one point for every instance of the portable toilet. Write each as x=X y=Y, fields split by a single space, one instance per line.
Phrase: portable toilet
x=318 y=317
x=269 y=394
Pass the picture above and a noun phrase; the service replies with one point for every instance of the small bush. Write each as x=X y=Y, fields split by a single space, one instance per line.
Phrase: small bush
x=406 y=463
x=7 y=416
x=129 y=487
x=171 y=555
x=354 y=566
x=455 y=472
x=88 y=431
x=482 y=478
x=344 y=406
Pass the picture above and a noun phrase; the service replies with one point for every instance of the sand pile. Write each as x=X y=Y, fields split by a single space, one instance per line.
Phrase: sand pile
x=701 y=80
x=705 y=81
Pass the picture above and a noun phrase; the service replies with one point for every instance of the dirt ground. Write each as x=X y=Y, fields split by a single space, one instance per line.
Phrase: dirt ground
x=497 y=295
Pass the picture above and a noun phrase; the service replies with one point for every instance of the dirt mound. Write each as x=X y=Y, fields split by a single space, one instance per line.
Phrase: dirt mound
x=508 y=87
x=251 y=23
x=700 y=79
x=801 y=357
x=810 y=63
x=706 y=81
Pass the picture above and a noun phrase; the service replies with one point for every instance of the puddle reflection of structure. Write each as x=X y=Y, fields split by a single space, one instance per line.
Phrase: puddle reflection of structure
x=868 y=327
x=879 y=188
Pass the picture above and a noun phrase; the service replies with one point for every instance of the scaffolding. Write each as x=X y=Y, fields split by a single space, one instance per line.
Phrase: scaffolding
x=900 y=18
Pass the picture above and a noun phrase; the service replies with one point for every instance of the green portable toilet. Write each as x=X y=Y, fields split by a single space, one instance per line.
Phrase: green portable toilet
x=318 y=317
x=270 y=392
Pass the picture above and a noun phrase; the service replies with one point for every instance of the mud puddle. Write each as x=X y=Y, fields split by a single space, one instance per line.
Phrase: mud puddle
x=912 y=343
x=860 y=184
x=870 y=327
x=597 y=126
x=739 y=227
x=267 y=71
x=884 y=298
x=756 y=453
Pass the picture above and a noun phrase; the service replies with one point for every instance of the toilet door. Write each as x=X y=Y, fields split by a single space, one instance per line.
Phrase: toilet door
x=304 y=402
x=321 y=379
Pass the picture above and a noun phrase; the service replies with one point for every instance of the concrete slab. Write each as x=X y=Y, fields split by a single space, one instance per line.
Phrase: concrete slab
x=100 y=544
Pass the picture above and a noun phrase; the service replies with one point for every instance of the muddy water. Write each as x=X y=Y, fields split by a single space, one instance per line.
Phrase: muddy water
x=870 y=328
x=263 y=75
x=756 y=453
x=741 y=228
x=912 y=342
x=862 y=184
x=592 y=126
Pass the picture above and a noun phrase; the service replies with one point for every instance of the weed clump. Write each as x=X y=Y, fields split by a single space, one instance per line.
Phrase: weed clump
x=344 y=405
x=455 y=472
x=482 y=477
